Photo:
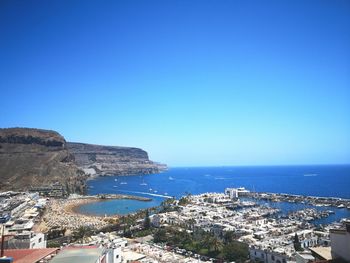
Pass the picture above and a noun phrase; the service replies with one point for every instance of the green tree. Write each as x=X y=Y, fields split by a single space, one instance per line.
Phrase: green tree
x=147 y=221
x=82 y=232
x=229 y=237
x=296 y=242
x=215 y=244
x=235 y=251
x=160 y=236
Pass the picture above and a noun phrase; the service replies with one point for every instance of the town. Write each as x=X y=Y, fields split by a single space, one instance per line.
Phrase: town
x=211 y=227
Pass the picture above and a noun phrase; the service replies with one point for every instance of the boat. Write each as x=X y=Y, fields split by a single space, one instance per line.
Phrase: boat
x=143 y=183
x=341 y=206
x=155 y=191
x=115 y=179
x=171 y=178
x=150 y=189
x=123 y=183
x=165 y=193
x=115 y=186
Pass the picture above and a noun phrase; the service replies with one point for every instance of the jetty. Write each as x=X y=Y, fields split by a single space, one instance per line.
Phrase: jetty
x=292 y=198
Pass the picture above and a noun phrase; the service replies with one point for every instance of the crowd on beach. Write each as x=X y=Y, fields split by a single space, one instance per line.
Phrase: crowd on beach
x=61 y=212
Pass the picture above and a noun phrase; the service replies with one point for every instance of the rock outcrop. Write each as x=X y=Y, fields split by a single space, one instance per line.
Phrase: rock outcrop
x=33 y=157
x=112 y=160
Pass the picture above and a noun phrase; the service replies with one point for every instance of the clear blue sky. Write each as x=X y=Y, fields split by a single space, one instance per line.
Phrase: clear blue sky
x=192 y=82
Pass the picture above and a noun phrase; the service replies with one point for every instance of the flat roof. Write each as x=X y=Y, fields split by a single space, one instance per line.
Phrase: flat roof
x=29 y=255
x=78 y=255
x=324 y=252
x=133 y=256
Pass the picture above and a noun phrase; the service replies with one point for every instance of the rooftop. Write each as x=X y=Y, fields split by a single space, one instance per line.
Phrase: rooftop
x=29 y=255
x=323 y=252
x=78 y=255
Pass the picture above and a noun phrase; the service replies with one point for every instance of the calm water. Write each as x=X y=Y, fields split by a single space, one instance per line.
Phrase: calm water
x=331 y=181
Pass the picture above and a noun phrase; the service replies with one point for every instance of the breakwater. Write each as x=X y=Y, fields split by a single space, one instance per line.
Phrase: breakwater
x=311 y=200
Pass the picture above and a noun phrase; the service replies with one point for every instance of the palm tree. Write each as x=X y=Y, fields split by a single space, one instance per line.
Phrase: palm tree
x=216 y=244
x=229 y=236
x=82 y=232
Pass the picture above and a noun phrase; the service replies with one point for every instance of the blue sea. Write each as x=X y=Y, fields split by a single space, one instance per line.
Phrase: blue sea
x=313 y=180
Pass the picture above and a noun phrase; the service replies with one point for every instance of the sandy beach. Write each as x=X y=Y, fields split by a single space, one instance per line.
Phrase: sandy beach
x=63 y=213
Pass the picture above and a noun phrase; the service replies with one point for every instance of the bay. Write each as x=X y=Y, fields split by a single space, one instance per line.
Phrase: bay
x=312 y=180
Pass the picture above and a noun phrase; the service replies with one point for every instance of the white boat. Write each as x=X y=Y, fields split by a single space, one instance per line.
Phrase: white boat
x=171 y=178
x=310 y=175
x=341 y=206
x=115 y=179
x=123 y=183
x=143 y=183
x=155 y=191
x=115 y=186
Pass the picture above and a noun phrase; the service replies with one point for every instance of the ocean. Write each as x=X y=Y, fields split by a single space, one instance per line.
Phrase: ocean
x=312 y=180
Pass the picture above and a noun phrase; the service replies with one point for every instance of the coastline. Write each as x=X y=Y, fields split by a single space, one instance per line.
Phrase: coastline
x=73 y=208
x=64 y=212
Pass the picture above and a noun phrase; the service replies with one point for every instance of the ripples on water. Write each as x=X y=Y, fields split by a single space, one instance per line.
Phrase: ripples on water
x=332 y=181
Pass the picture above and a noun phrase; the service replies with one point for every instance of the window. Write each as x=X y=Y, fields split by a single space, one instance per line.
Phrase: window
x=40 y=239
x=273 y=257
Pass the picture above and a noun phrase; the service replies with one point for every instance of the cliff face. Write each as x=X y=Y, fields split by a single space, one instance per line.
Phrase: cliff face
x=112 y=160
x=33 y=157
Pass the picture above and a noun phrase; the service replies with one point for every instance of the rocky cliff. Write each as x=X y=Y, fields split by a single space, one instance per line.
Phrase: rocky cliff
x=112 y=160
x=34 y=157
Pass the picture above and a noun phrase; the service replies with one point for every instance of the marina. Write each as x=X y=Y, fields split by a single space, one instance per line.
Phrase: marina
x=202 y=179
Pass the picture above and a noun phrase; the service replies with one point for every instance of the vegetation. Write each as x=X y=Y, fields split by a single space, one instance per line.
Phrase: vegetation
x=168 y=205
x=296 y=242
x=51 y=244
x=147 y=221
x=82 y=232
x=56 y=233
x=203 y=243
x=184 y=201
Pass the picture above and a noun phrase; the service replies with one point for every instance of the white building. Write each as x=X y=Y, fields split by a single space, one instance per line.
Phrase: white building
x=340 y=243
x=304 y=257
x=236 y=192
x=27 y=240
x=267 y=256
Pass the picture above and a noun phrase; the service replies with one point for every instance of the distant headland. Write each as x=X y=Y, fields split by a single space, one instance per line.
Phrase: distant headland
x=43 y=160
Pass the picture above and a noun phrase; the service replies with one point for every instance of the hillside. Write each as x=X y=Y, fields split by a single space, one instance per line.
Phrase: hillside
x=33 y=157
x=112 y=160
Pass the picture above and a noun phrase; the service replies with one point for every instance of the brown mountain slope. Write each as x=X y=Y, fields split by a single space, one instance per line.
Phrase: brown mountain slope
x=112 y=160
x=34 y=157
